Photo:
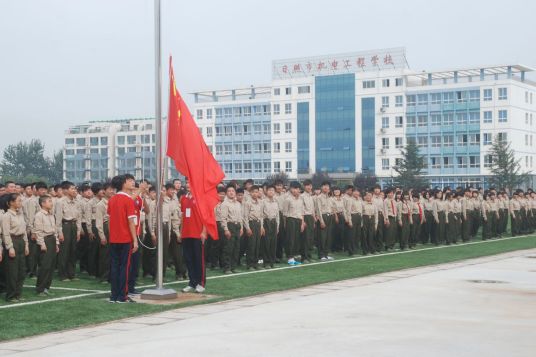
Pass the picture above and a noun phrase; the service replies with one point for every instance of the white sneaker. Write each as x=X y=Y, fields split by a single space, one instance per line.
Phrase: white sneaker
x=199 y=289
x=330 y=258
x=260 y=261
x=188 y=289
x=291 y=261
x=323 y=259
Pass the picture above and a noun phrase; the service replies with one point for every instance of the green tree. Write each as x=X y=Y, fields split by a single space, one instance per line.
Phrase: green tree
x=55 y=167
x=505 y=169
x=320 y=177
x=364 y=181
x=277 y=176
x=410 y=168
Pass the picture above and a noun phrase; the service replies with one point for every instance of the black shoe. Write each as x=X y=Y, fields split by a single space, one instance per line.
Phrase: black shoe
x=134 y=292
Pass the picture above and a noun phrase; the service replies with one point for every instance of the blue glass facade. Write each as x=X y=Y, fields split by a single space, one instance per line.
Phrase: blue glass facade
x=303 y=137
x=368 y=138
x=335 y=123
x=243 y=140
x=446 y=126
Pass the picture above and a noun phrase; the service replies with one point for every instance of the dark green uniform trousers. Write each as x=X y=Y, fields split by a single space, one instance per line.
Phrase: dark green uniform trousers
x=15 y=269
x=466 y=226
x=440 y=229
x=231 y=247
x=103 y=270
x=476 y=222
x=254 y=244
x=325 y=236
x=390 y=233
x=46 y=266
x=452 y=228
x=428 y=227
x=177 y=256
x=268 y=242
x=415 y=232
x=93 y=251
x=379 y=242
x=405 y=231
x=67 y=254
x=489 y=228
x=353 y=234
x=32 y=260
x=293 y=228
x=368 y=237
x=307 y=237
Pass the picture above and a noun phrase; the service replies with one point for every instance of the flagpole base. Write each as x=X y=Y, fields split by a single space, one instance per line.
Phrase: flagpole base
x=159 y=294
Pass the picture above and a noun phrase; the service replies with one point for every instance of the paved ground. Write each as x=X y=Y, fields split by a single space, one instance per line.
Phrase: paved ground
x=480 y=307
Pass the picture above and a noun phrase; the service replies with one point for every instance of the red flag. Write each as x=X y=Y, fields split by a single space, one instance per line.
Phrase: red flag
x=193 y=159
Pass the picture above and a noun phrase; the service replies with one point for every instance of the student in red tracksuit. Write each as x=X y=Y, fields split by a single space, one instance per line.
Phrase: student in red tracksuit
x=123 y=240
x=193 y=236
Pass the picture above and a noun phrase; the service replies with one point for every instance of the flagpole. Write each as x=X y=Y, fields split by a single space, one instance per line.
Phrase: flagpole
x=159 y=292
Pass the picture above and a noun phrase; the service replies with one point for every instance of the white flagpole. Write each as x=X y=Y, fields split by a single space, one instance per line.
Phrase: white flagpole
x=159 y=292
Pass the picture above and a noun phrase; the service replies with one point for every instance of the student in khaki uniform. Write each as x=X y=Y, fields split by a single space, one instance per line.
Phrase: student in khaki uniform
x=477 y=214
x=370 y=225
x=94 y=242
x=270 y=214
x=454 y=209
x=324 y=211
x=45 y=230
x=103 y=234
x=149 y=254
x=30 y=208
x=171 y=231
x=391 y=214
x=82 y=246
x=69 y=224
x=405 y=219
x=353 y=210
x=243 y=243
x=418 y=220
x=490 y=215
x=14 y=236
x=466 y=216
x=307 y=237
x=280 y=197
x=175 y=244
x=440 y=211
x=338 y=226
x=378 y=200
x=253 y=227
x=232 y=218
x=514 y=208
x=215 y=245
x=293 y=211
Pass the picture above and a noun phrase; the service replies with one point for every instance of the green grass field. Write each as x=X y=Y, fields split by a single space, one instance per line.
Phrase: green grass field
x=88 y=305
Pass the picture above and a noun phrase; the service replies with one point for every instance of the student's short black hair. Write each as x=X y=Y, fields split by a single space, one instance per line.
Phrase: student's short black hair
x=96 y=187
x=307 y=182
x=177 y=179
x=169 y=186
x=349 y=187
x=107 y=185
x=85 y=187
x=254 y=187
x=229 y=186
x=221 y=189
x=152 y=189
x=40 y=184
x=295 y=184
x=129 y=177
x=248 y=181
x=24 y=185
x=7 y=199
x=57 y=187
x=118 y=182
x=326 y=183
x=43 y=199
x=240 y=190
x=65 y=185
x=278 y=182
x=270 y=187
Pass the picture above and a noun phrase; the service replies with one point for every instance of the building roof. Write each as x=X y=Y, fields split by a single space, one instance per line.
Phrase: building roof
x=473 y=71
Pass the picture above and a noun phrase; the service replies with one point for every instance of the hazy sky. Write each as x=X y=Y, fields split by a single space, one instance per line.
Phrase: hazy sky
x=65 y=62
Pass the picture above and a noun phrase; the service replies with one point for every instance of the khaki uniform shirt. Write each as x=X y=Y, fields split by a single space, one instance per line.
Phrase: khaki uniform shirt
x=231 y=211
x=101 y=216
x=44 y=226
x=308 y=204
x=69 y=210
x=293 y=207
x=13 y=224
x=252 y=211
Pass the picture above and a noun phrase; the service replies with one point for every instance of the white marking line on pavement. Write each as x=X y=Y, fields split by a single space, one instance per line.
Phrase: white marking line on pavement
x=344 y=260
x=71 y=289
x=269 y=270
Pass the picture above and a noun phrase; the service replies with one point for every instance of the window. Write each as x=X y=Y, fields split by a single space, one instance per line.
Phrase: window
x=422 y=141
x=266 y=148
x=288 y=166
x=131 y=139
x=238 y=149
x=448 y=97
x=277 y=91
x=488 y=116
x=288 y=108
x=247 y=112
x=488 y=161
x=435 y=119
x=385 y=82
x=288 y=146
x=526 y=118
x=503 y=116
x=474 y=139
x=209 y=113
x=462 y=140
x=304 y=89
x=82 y=141
x=422 y=99
x=120 y=151
x=247 y=148
x=487 y=139
x=423 y=120
x=94 y=141
x=277 y=166
x=435 y=98
x=219 y=149
x=257 y=167
x=411 y=121
x=246 y=129
x=104 y=140
x=399 y=101
x=385 y=122
x=502 y=137
x=247 y=167
x=435 y=141
x=448 y=140
x=526 y=139
x=277 y=148
x=266 y=109
x=461 y=118
x=488 y=95
x=447 y=162
x=474 y=117
x=238 y=111
x=69 y=141
x=257 y=129
x=398 y=161
x=228 y=167
x=83 y=151
x=228 y=130
x=267 y=167
x=209 y=132
x=385 y=102
x=266 y=129
x=474 y=96
x=104 y=151
x=237 y=129
x=411 y=100
x=461 y=162
x=448 y=119
x=219 y=131
x=288 y=90
x=503 y=93
x=385 y=164
x=276 y=109
x=399 y=82
x=277 y=128
x=257 y=148
x=461 y=97
x=399 y=122
x=219 y=113
x=199 y=113
x=435 y=162
x=369 y=84
x=227 y=112
x=385 y=143
x=228 y=149
x=399 y=143
x=238 y=167
x=288 y=128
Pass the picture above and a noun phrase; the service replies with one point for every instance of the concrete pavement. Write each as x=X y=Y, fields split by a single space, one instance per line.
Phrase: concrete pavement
x=484 y=306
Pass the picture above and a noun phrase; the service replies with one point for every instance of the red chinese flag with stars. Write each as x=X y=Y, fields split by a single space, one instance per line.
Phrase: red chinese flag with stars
x=193 y=159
